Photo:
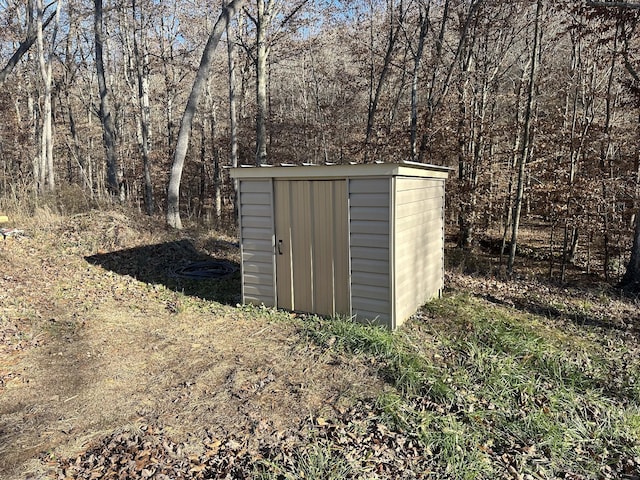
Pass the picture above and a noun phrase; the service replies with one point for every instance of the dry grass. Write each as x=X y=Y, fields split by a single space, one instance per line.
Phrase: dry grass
x=100 y=343
x=87 y=351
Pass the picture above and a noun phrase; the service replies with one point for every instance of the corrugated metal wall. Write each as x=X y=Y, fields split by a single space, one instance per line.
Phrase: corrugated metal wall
x=331 y=247
x=369 y=203
x=419 y=243
x=320 y=236
x=311 y=237
x=257 y=231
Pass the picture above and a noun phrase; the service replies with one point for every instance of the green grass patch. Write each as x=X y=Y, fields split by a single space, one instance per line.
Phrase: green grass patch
x=488 y=389
x=409 y=372
x=317 y=462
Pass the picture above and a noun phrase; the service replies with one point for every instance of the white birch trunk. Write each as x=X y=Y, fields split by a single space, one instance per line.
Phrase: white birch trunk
x=46 y=180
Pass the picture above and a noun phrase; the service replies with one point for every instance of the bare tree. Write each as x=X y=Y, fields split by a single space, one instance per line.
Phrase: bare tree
x=173 y=190
x=33 y=26
x=489 y=43
x=141 y=60
x=424 y=22
x=232 y=52
x=625 y=29
x=167 y=39
x=115 y=181
x=396 y=26
x=266 y=11
x=233 y=87
x=45 y=174
x=527 y=137
x=442 y=72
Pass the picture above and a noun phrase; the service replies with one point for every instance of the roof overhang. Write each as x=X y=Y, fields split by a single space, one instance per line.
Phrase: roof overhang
x=306 y=172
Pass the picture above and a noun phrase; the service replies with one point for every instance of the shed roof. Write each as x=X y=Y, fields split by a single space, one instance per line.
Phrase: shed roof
x=406 y=169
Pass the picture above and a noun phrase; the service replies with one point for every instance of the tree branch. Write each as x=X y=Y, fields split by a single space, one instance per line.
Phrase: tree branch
x=251 y=17
x=293 y=12
x=630 y=68
x=23 y=48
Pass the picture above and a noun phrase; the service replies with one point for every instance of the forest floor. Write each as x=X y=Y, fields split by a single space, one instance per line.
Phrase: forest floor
x=112 y=366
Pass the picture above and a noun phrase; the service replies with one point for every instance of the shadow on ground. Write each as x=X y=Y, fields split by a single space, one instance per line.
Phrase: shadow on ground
x=162 y=264
x=581 y=319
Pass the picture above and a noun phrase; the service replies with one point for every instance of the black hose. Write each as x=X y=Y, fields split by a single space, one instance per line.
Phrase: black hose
x=206 y=270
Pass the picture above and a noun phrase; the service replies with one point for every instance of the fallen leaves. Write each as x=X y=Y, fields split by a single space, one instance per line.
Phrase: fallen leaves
x=356 y=437
x=147 y=452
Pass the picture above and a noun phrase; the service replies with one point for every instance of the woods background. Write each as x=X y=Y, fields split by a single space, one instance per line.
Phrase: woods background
x=535 y=104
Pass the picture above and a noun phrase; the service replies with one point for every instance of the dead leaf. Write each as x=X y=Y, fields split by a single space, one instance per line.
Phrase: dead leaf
x=321 y=422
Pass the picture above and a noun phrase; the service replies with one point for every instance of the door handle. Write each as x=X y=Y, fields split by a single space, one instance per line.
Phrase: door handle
x=279 y=247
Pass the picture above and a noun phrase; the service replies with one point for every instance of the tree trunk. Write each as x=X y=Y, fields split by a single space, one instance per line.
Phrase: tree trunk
x=141 y=57
x=525 y=146
x=468 y=149
x=571 y=124
x=169 y=82
x=415 y=75
x=233 y=104
x=631 y=279
x=508 y=202
x=115 y=183
x=233 y=110
x=210 y=124
x=217 y=181
x=182 y=144
x=374 y=97
x=263 y=21
x=320 y=116
x=606 y=154
x=27 y=43
x=46 y=169
x=434 y=100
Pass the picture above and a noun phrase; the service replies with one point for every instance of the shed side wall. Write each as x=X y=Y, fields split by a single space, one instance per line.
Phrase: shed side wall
x=419 y=243
x=369 y=221
x=256 y=240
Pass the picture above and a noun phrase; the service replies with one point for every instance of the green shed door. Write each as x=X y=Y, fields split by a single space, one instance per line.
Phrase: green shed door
x=312 y=257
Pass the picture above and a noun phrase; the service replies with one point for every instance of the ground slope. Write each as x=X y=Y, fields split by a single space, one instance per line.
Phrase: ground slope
x=86 y=351
x=113 y=366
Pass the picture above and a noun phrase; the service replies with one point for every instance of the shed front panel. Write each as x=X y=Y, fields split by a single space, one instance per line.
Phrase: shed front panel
x=419 y=243
x=256 y=234
x=369 y=204
x=312 y=246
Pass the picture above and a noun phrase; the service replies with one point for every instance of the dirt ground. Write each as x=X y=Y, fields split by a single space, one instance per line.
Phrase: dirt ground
x=88 y=349
x=108 y=355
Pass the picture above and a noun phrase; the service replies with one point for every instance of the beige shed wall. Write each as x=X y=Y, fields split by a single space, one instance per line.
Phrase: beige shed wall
x=419 y=243
x=394 y=258
x=257 y=230
x=369 y=208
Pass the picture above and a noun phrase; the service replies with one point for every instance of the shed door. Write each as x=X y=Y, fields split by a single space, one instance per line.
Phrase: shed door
x=312 y=258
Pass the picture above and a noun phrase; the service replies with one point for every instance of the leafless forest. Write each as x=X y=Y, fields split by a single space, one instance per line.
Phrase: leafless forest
x=533 y=103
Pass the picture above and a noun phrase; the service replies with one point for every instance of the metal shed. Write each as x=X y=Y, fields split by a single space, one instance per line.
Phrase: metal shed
x=356 y=240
